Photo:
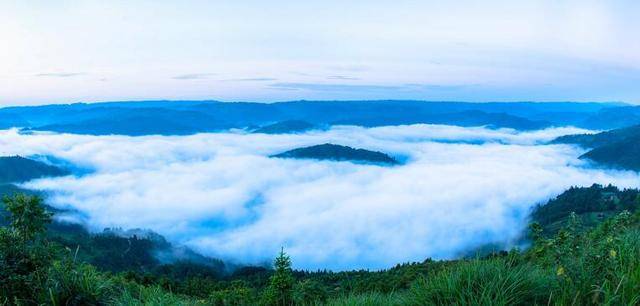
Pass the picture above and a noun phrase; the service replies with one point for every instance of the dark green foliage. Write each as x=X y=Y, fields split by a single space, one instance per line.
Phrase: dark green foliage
x=309 y=291
x=329 y=151
x=280 y=289
x=71 y=284
x=237 y=294
x=590 y=204
x=16 y=169
x=27 y=216
x=595 y=267
x=484 y=282
x=24 y=257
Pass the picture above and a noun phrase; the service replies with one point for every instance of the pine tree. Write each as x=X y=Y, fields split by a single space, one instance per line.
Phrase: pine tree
x=280 y=290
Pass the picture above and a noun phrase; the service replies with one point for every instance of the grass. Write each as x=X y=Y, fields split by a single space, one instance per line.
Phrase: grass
x=598 y=267
x=483 y=282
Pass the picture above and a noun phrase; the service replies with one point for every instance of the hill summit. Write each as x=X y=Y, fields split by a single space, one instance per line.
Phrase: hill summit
x=336 y=152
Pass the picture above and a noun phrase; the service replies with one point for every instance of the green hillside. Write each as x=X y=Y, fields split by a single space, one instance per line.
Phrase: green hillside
x=618 y=148
x=622 y=155
x=16 y=169
x=590 y=205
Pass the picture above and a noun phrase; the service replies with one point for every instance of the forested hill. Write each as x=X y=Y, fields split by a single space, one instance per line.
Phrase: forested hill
x=619 y=148
x=590 y=205
x=189 y=117
x=335 y=152
x=17 y=169
x=601 y=139
x=558 y=269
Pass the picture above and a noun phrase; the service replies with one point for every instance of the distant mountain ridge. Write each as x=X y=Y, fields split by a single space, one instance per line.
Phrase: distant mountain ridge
x=600 y=139
x=285 y=127
x=17 y=169
x=190 y=117
x=619 y=148
x=335 y=152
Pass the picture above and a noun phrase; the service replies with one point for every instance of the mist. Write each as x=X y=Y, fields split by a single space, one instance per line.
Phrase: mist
x=220 y=194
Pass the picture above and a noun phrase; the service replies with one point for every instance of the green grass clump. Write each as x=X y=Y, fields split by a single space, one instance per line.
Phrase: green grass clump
x=69 y=284
x=366 y=299
x=152 y=296
x=483 y=282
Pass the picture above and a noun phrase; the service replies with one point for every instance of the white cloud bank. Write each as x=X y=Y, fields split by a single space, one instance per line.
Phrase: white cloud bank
x=223 y=195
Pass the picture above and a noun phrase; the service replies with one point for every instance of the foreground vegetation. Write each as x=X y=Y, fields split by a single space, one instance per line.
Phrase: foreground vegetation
x=574 y=259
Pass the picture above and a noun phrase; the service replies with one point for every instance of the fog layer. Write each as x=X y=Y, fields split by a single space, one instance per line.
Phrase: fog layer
x=457 y=189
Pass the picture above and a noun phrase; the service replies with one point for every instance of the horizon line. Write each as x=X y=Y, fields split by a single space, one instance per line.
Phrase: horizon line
x=620 y=103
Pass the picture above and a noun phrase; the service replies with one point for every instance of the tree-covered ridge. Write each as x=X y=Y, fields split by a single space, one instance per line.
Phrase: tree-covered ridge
x=616 y=148
x=591 y=205
x=286 y=127
x=335 y=152
x=600 y=139
x=621 y=155
x=574 y=267
x=17 y=169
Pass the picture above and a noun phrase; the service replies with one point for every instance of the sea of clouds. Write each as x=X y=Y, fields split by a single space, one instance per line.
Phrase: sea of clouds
x=219 y=193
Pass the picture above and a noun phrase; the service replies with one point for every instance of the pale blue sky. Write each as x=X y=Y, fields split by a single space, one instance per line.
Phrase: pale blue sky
x=68 y=51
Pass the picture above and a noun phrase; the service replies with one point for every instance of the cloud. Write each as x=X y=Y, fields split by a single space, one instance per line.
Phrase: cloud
x=60 y=74
x=342 y=77
x=371 y=88
x=193 y=76
x=333 y=87
x=220 y=193
x=434 y=87
x=350 y=68
x=250 y=80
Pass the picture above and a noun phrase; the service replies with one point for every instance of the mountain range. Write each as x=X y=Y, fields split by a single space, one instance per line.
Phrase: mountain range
x=189 y=117
x=618 y=148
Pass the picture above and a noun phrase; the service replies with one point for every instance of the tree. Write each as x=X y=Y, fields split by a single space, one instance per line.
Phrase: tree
x=27 y=216
x=24 y=258
x=280 y=289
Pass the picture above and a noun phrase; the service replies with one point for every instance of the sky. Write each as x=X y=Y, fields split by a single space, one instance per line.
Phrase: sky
x=68 y=51
x=221 y=194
